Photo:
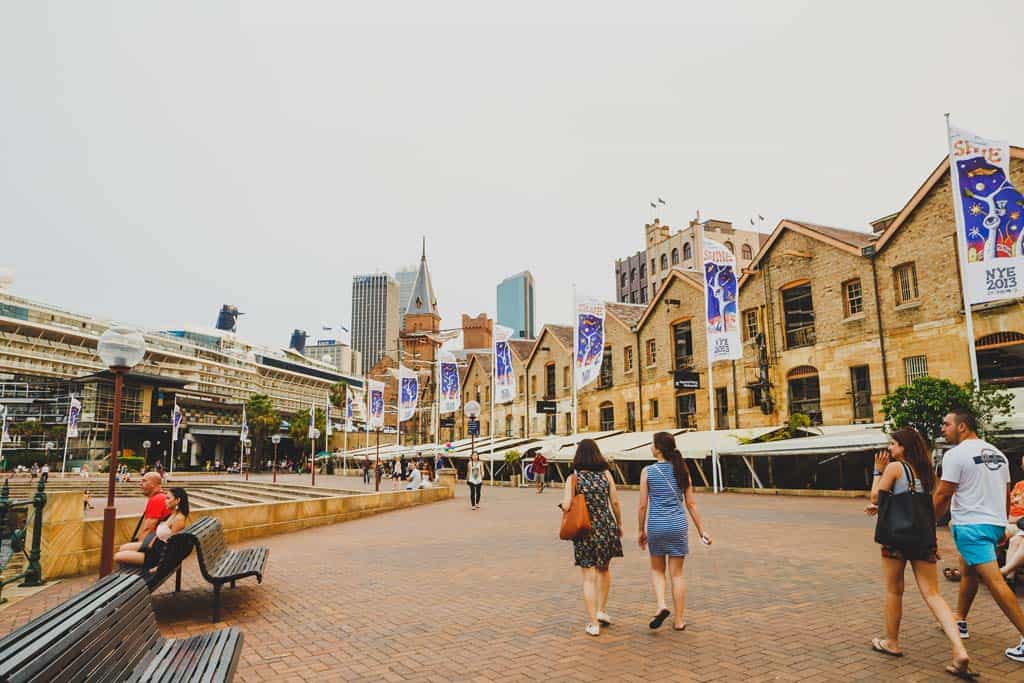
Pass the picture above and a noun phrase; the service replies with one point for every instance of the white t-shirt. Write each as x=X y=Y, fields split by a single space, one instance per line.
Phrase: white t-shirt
x=415 y=479
x=981 y=473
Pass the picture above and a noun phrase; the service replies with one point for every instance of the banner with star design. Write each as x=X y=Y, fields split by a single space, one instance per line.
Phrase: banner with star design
x=989 y=217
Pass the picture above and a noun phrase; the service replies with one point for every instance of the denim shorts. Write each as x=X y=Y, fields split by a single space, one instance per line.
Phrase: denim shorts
x=977 y=542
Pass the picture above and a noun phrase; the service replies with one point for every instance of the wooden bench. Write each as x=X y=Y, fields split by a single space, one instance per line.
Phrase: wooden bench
x=218 y=564
x=108 y=633
x=176 y=551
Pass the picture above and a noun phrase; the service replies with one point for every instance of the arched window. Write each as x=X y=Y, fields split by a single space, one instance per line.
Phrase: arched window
x=664 y=262
x=623 y=280
x=728 y=245
x=632 y=276
x=508 y=425
x=607 y=412
x=675 y=257
x=643 y=271
x=687 y=252
x=747 y=252
x=805 y=392
x=999 y=339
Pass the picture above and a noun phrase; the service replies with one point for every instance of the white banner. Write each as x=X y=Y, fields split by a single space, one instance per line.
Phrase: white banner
x=243 y=433
x=408 y=393
x=588 y=340
x=450 y=391
x=327 y=416
x=720 y=288
x=375 y=404
x=312 y=421
x=989 y=218
x=176 y=417
x=504 y=377
x=74 y=414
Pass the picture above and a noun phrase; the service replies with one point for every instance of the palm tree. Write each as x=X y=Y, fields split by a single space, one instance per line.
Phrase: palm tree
x=264 y=421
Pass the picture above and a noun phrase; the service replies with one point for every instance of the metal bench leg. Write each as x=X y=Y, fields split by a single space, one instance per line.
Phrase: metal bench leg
x=177 y=580
x=216 y=603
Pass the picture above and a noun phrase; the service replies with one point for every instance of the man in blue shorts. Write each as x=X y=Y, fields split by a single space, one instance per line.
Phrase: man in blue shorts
x=976 y=478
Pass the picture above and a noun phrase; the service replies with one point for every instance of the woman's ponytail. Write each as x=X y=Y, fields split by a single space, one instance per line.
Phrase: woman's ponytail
x=666 y=445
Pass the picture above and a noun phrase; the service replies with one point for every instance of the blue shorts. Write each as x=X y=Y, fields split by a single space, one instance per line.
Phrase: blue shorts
x=977 y=542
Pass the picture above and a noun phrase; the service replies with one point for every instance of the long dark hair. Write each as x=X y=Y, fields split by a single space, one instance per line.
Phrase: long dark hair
x=915 y=453
x=666 y=445
x=588 y=457
x=182 y=497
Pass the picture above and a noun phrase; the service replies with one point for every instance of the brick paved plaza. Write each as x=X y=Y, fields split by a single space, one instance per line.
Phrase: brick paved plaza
x=791 y=590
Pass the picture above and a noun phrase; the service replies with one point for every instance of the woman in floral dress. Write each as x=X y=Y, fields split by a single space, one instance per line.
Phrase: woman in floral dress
x=594 y=551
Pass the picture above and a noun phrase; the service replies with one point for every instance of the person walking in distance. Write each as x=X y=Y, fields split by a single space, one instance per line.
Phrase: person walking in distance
x=540 y=469
x=976 y=485
x=594 y=551
x=475 y=479
x=906 y=466
x=664 y=527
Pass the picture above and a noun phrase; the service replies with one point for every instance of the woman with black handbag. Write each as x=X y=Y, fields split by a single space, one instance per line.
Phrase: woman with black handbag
x=901 y=497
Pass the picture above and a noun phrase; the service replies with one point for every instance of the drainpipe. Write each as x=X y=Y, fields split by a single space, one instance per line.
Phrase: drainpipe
x=869 y=252
x=639 y=380
x=735 y=397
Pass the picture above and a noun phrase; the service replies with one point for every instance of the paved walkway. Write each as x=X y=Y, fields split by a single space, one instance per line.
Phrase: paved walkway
x=791 y=590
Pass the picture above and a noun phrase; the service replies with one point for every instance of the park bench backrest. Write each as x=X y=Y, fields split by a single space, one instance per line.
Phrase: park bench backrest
x=178 y=548
x=101 y=634
x=209 y=540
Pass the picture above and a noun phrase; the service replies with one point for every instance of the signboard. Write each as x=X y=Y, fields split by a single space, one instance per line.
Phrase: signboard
x=684 y=379
x=448 y=422
x=547 y=407
x=474 y=427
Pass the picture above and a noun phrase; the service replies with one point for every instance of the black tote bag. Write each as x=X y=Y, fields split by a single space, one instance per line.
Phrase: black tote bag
x=905 y=520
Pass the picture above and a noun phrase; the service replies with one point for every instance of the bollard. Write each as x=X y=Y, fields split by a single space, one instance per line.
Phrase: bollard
x=34 y=571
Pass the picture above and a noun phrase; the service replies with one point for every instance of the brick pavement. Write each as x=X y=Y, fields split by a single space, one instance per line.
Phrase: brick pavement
x=790 y=591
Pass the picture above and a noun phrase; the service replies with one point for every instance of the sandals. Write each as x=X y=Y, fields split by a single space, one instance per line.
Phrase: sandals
x=951 y=574
x=659 y=618
x=965 y=674
x=877 y=646
x=680 y=628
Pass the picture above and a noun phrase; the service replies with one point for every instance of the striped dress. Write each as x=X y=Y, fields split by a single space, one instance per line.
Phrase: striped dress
x=667 y=527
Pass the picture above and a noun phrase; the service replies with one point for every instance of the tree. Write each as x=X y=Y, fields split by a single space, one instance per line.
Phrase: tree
x=264 y=421
x=298 y=428
x=923 y=404
x=338 y=394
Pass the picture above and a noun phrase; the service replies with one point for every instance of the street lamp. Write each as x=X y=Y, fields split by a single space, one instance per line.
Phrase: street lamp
x=145 y=447
x=120 y=349
x=275 y=439
x=315 y=433
x=246 y=457
x=49 y=447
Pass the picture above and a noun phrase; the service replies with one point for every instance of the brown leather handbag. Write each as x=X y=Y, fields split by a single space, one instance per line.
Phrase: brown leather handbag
x=575 y=520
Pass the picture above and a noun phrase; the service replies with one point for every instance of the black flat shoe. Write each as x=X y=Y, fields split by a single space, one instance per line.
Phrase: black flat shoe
x=659 y=618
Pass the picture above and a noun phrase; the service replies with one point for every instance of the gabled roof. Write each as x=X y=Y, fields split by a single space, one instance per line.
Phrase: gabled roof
x=560 y=333
x=481 y=359
x=522 y=348
x=931 y=181
x=627 y=314
x=689 y=277
x=422 y=299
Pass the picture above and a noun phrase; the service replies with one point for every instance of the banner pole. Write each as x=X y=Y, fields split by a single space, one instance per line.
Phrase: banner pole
x=961 y=241
x=67 y=437
x=494 y=365
x=575 y=349
x=174 y=415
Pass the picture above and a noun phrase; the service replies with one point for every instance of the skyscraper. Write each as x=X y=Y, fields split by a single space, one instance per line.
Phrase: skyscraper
x=375 y=317
x=515 y=304
x=406 y=278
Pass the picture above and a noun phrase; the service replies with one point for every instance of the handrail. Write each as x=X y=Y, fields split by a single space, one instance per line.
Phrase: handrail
x=33 y=574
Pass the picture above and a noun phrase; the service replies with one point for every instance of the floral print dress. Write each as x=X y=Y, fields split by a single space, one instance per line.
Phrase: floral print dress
x=603 y=542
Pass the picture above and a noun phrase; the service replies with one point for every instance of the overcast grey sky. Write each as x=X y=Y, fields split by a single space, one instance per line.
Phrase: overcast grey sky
x=160 y=159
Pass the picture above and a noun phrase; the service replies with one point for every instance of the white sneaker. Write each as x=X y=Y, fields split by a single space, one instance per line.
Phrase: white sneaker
x=595 y=630
x=1016 y=653
x=603 y=619
x=961 y=626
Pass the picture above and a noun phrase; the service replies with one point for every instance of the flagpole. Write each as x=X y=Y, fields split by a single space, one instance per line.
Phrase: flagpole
x=67 y=437
x=961 y=242
x=494 y=364
x=174 y=435
x=715 y=469
x=575 y=349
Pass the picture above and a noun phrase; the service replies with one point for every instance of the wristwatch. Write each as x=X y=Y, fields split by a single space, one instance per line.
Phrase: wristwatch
x=877 y=473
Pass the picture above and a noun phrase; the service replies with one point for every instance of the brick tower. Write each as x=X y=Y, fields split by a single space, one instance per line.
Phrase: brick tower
x=420 y=341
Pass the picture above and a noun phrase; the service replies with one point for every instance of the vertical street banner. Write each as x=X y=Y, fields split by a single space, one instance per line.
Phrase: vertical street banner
x=450 y=390
x=327 y=416
x=588 y=339
x=175 y=421
x=504 y=377
x=312 y=421
x=74 y=414
x=348 y=409
x=4 y=434
x=243 y=433
x=989 y=217
x=408 y=393
x=720 y=289
x=357 y=404
x=375 y=404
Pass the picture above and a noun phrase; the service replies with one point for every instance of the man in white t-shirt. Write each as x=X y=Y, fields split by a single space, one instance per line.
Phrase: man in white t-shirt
x=976 y=478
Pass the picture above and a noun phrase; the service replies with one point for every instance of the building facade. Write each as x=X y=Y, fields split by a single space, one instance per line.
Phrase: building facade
x=375 y=317
x=338 y=355
x=516 y=305
x=406 y=278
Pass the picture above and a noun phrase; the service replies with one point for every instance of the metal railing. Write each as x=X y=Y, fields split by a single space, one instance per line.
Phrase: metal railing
x=12 y=536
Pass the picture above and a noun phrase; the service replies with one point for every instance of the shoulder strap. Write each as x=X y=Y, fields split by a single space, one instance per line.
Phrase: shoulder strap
x=667 y=480
x=911 y=480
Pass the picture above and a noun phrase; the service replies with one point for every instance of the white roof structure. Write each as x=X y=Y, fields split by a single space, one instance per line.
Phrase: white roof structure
x=833 y=441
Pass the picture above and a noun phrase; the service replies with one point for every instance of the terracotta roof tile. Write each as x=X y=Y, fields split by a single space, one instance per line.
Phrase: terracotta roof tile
x=628 y=314
x=522 y=347
x=855 y=238
x=563 y=333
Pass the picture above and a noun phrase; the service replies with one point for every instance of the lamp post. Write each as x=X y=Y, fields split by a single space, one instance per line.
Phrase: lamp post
x=49 y=447
x=120 y=349
x=145 y=447
x=246 y=457
x=312 y=454
x=275 y=439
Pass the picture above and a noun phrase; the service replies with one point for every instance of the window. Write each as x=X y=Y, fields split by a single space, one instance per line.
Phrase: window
x=622 y=280
x=566 y=380
x=687 y=252
x=522 y=385
x=487 y=396
x=860 y=390
x=607 y=412
x=749 y=324
x=653 y=409
x=643 y=271
x=568 y=423
x=632 y=297
x=798 y=310
x=643 y=294
x=476 y=394
x=805 y=393
x=747 y=252
x=584 y=419
x=533 y=384
x=549 y=381
x=675 y=257
x=721 y=408
x=551 y=424
x=682 y=339
x=631 y=416
x=664 y=261
x=627 y=359
x=906 y=283
x=757 y=396
x=605 y=379
x=915 y=367
x=728 y=245
x=651 y=350
x=508 y=425
x=686 y=411
x=853 y=298
x=654 y=268
x=632 y=276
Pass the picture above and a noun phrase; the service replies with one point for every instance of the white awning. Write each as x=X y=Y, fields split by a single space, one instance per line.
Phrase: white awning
x=846 y=441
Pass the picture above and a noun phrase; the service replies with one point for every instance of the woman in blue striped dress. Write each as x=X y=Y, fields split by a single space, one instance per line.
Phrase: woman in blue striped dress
x=664 y=525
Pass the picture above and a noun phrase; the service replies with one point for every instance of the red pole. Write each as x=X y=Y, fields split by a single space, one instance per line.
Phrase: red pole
x=376 y=468
x=275 y=463
x=110 y=512
x=312 y=460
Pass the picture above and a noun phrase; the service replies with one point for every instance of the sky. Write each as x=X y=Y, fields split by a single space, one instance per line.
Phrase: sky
x=158 y=160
